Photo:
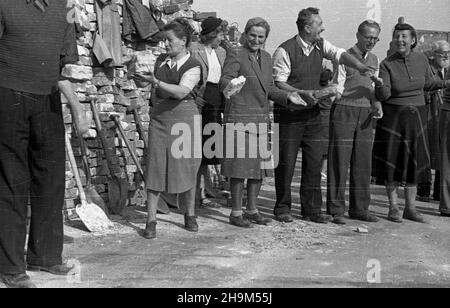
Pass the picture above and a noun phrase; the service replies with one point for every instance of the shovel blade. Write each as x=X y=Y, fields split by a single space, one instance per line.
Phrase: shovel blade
x=118 y=195
x=93 y=217
x=92 y=196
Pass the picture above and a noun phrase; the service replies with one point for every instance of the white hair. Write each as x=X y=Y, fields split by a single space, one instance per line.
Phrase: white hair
x=439 y=45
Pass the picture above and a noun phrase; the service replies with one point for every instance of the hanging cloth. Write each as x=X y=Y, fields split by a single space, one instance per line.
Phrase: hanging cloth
x=140 y=21
x=108 y=41
x=39 y=5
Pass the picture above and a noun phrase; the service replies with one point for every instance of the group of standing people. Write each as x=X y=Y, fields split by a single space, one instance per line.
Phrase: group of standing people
x=188 y=83
x=392 y=92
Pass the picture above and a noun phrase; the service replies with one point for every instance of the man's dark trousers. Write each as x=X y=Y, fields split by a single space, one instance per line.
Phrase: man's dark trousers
x=351 y=143
x=32 y=164
x=305 y=135
x=445 y=161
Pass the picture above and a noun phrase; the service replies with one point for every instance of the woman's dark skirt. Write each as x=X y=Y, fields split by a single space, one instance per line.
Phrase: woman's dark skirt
x=401 y=151
x=211 y=113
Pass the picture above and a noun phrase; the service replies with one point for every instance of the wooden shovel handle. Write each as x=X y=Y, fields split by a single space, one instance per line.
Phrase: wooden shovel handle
x=138 y=120
x=101 y=134
x=127 y=143
x=83 y=148
x=73 y=163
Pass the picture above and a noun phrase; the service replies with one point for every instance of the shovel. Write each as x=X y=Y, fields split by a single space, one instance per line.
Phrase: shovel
x=91 y=215
x=162 y=206
x=92 y=195
x=117 y=185
x=166 y=199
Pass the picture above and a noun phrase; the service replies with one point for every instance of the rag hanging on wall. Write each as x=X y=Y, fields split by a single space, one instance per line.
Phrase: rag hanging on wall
x=108 y=42
x=39 y=5
x=141 y=23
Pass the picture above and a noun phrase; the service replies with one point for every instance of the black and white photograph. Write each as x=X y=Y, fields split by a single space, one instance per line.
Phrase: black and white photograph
x=224 y=150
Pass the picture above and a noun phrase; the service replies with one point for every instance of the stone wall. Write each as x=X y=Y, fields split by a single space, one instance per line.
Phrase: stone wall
x=113 y=93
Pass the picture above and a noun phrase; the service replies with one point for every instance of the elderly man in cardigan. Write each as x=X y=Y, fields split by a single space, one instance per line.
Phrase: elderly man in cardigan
x=444 y=124
x=439 y=64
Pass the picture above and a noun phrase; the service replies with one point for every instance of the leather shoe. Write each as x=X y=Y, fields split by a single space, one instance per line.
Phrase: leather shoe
x=150 y=230
x=59 y=270
x=240 y=221
x=394 y=216
x=413 y=215
x=257 y=219
x=286 y=218
x=319 y=218
x=17 y=281
x=190 y=223
x=339 y=220
x=366 y=218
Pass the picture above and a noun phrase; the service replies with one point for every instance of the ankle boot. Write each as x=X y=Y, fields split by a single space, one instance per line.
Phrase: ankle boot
x=190 y=223
x=150 y=230
x=413 y=215
x=394 y=214
x=410 y=212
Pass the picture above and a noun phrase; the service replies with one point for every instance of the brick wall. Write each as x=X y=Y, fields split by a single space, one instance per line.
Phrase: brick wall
x=112 y=93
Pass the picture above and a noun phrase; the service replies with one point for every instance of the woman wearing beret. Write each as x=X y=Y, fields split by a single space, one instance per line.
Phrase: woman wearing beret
x=401 y=152
x=249 y=107
x=174 y=81
x=209 y=98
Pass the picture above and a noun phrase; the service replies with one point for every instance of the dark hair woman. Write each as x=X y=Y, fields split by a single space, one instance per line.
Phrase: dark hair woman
x=250 y=108
x=174 y=81
x=401 y=152
x=210 y=100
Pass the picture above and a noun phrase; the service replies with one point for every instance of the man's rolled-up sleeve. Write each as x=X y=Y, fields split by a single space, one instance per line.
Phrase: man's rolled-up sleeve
x=281 y=65
x=69 y=51
x=332 y=52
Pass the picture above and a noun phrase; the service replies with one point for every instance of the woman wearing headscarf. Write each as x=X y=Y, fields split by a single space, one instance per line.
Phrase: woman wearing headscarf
x=401 y=151
x=210 y=100
x=246 y=109
x=175 y=78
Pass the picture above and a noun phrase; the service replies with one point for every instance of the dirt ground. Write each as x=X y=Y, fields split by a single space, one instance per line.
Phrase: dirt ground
x=301 y=254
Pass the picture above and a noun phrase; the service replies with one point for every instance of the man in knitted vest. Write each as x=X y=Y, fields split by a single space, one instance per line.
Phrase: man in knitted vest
x=297 y=67
x=351 y=132
x=36 y=39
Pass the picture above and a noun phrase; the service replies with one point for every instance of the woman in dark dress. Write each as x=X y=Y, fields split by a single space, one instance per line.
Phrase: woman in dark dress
x=249 y=107
x=174 y=81
x=401 y=151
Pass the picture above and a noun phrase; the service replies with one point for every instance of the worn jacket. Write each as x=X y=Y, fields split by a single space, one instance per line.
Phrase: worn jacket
x=138 y=20
x=251 y=105
x=109 y=30
x=198 y=51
